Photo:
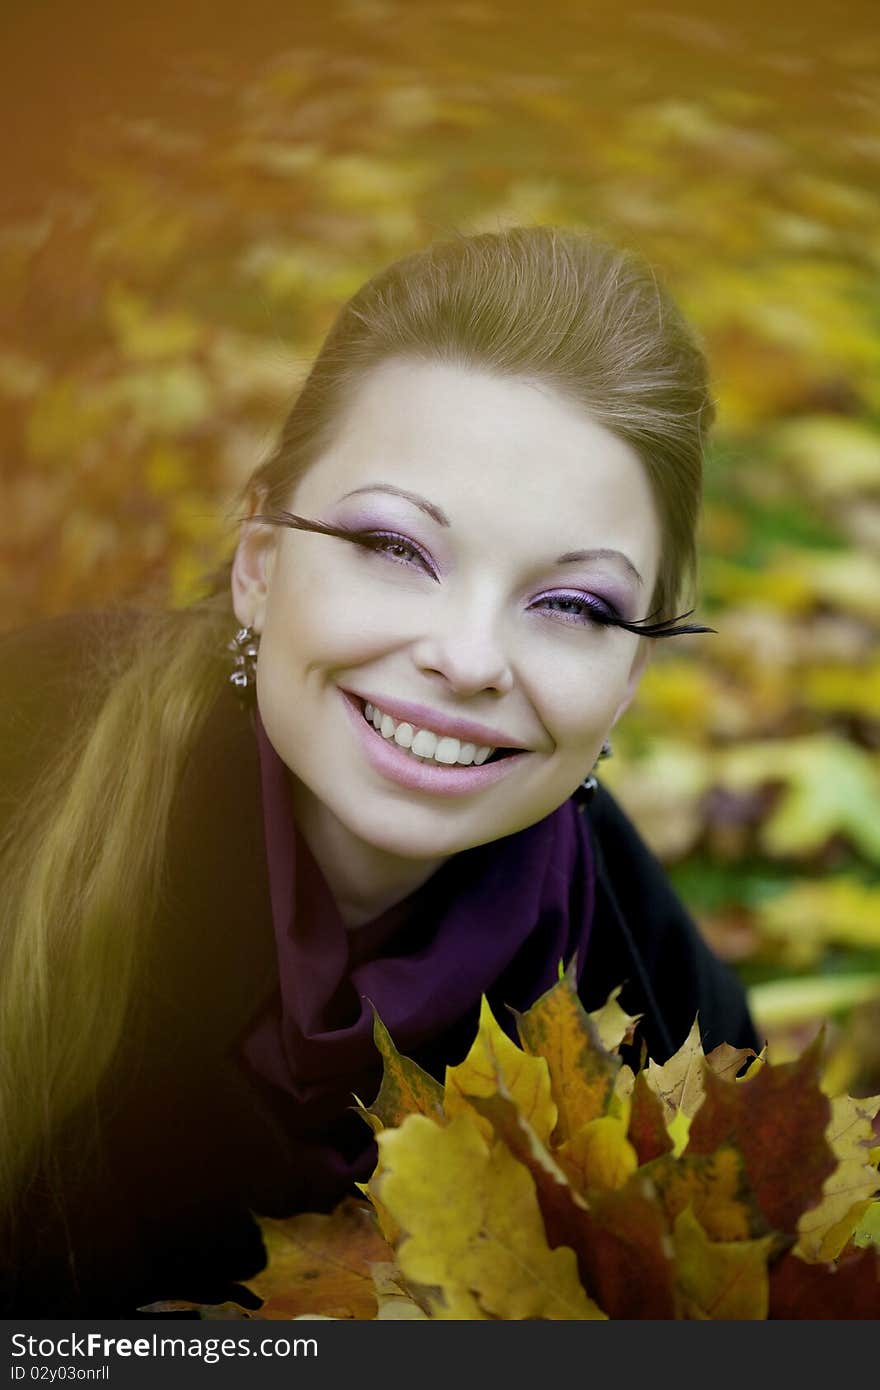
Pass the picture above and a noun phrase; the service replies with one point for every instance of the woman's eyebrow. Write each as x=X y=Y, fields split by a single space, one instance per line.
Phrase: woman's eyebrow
x=570 y=556
x=439 y=516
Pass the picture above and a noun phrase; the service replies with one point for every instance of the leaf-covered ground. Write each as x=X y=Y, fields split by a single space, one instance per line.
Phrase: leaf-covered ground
x=186 y=207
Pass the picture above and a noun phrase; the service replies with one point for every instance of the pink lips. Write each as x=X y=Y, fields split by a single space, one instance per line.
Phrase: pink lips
x=423 y=718
x=393 y=763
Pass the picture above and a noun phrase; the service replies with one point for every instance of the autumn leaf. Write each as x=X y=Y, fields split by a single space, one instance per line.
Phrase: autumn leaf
x=806 y=444
x=208 y=1312
x=715 y=1187
x=647 y=1129
x=825 y=1229
x=829 y=787
x=388 y=1227
x=867 y=1231
x=320 y=1264
x=473 y=1229
x=494 y=1059
x=406 y=1089
x=726 y=1061
x=582 y=1072
x=629 y=1263
x=394 y=1300
x=624 y=1083
x=146 y=335
x=614 y=1025
x=562 y=1204
x=679 y=1082
x=803 y=918
x=802 y=999
x=777 y=1121
x=720 y=1279
x=623 y=1248
x=849 y=1288
x=599 y=1154
x=846 y=579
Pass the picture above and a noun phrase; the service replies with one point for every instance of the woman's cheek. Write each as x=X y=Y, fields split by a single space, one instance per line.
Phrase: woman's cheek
x=584 y=703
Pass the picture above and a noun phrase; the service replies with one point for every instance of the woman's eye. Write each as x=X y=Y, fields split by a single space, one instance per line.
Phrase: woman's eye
x=575 y=608
x=387 y=543
x=582 y=609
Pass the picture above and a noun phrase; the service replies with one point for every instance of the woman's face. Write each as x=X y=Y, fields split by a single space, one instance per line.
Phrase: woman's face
x=470 y=611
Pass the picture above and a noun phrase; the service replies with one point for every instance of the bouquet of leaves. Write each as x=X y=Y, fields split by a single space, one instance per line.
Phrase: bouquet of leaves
x=551 y=1181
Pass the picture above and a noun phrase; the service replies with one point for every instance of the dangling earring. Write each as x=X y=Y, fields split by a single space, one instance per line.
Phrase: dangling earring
x=588 y=787
x=246 y=645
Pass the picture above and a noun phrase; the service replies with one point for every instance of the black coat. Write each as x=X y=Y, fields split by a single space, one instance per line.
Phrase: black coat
x=158 y=1204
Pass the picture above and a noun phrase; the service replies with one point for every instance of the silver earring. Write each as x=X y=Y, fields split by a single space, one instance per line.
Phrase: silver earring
x=588 y=787
x=245 y=645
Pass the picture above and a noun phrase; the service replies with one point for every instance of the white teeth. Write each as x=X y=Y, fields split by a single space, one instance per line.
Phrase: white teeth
x=424 y=744
x=447 y=750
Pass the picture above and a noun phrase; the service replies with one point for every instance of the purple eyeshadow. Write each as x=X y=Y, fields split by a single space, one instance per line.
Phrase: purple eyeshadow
x=615 y=599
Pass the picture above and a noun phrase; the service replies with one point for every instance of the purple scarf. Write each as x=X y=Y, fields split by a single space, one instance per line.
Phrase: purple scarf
x=493 y=920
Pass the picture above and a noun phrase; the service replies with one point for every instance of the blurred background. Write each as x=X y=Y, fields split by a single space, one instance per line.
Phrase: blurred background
x=191 y=190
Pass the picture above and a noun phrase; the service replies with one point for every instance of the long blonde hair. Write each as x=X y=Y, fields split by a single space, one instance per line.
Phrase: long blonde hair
x=82 y=863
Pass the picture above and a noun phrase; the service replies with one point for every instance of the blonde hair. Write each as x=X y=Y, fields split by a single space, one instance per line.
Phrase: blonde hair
x=82 y=863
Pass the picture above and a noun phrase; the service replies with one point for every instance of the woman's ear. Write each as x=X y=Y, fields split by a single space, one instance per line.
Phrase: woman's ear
x=640 y=661
x=252 y=566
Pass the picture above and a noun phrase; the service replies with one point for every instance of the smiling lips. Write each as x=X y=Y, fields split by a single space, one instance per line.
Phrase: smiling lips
x=398 y=764
x=420 y=717
x=424 y=743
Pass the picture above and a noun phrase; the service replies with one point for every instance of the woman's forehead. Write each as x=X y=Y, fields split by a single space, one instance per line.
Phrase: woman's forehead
x=507 y=451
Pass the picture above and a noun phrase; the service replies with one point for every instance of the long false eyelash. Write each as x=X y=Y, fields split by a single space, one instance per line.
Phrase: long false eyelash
x=347 y=533
x=299 y=523
x=663 y=629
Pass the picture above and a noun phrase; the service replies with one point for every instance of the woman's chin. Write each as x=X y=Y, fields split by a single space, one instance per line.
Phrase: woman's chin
x=420 y=835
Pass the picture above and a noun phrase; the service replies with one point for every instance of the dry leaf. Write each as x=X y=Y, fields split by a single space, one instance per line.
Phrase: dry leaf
x=471 y=1222
x=493 y=1058
x=582 y=1071
x=720 y=1279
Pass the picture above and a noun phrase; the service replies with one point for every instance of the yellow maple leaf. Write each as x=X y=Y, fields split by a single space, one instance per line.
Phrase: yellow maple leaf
x=720 y=1279
x=868 y=1230
x=320 y=1264
x=388 y=1227
x=623 y=1088
x=494 y=1060
x=582 y=1071
x=679 y=1081
x=806 y=444
x=726 y=1061
x=599 y=1155
x=472 y=1226
x=145 y=334
x=613 y=1024
x=805 y=917
x=823 y=1230
x=406 y=1089
x=716 y=1189
x=394 y=1299
x=830 y=787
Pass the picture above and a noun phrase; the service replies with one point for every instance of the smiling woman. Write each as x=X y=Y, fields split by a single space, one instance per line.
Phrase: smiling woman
x=459 y=601
x=480 y=513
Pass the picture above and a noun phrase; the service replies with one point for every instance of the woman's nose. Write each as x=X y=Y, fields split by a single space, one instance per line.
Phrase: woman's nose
x=467 y=649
